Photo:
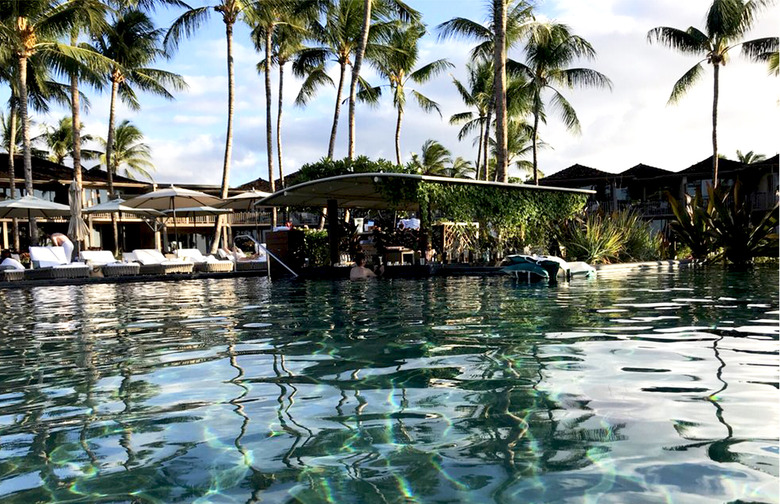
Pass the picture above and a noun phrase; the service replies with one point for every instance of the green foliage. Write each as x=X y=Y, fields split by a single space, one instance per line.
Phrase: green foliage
x=595 y=239
x=315 y=245
x=599 y=238
x=640 y=241
x=734 y=227
x=692 y=224
x=725 y=226
x=327 y=167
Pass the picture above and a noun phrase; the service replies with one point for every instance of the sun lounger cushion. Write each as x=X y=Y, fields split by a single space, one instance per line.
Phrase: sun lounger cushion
x=46 y=257
x=97 y=257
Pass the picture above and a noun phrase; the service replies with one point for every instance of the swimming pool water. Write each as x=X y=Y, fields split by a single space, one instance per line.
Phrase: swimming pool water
x=640 y=387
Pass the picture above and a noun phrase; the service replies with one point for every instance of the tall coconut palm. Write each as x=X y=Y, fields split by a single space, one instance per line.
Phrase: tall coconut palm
x=129 y=152
x=132 y=42
x=336 y=38
x=397 y=66
x=33 y=27
x=477 y=93
x=726 y=23
x=508 y=21
x=405 y=14
x=186 y=25
x=550 y=49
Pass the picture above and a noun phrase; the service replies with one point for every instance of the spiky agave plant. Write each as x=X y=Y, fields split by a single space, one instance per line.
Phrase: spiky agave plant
x=692 y=223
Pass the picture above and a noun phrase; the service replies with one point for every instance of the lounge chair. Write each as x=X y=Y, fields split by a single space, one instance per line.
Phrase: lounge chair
x=52 y=262
x=9 y=274
x=104 y=261
x=206 y=264
x=153 y=262
x=242 y=262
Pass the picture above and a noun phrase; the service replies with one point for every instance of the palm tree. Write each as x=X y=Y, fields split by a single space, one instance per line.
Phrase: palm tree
x=550 y=48
x=499 y=86
x=478 y=95
x=186 y=25
x=750 y=157
x=337 y=39
x=405 y=14
x=433 y=159
x=32 y=27
x=461 y=168
x=132 y=42
x=726 y=23
x=60 y=142
x=397 y=66
x=129 y=152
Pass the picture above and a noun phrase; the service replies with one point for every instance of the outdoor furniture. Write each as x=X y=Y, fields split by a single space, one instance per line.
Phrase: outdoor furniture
x=205 y=264
x=12 y=274
x=51 y=262
x=104 y=261
x=244 y=264
x=400 y=255
x=153 y=262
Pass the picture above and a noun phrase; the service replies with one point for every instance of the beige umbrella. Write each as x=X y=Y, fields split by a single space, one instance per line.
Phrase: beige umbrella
x=246 y=202
x=77 y=228
x=31 y=206
x=117 y=206
x=172 y=198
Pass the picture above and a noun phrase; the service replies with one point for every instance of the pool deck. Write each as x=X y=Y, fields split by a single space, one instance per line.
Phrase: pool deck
x=334 y=273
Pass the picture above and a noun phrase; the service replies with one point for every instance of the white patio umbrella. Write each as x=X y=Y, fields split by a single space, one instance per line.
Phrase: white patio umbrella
x=77 y=228
x=172 y=198
x=117 y=206
x=197 y=211
x=246 y=201
x=31 y=206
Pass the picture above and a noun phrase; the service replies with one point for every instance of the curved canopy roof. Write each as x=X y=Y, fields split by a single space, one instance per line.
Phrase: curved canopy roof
x=361 y=190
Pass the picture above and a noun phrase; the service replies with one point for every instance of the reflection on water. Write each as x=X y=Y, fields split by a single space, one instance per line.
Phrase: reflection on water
x=626 y=389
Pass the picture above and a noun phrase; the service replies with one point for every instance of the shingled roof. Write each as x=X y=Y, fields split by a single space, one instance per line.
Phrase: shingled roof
x=45 y=171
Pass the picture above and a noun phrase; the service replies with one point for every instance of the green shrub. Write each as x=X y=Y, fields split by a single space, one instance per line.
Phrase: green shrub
x=315 y=244
x=640 y=241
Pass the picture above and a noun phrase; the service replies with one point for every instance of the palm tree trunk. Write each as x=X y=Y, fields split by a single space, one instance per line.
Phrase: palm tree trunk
x=26 y=147
x=479 y=148
x=220 y=220
x=499 y=22
x=535 y=148
x=715 y=127
x=486 y=143
x=75 y=111
x=337 y=112
x=398 y=136
x=361 y=50
x=11 y=170
x=279 y=108
x=109 y=155
x=268 y=126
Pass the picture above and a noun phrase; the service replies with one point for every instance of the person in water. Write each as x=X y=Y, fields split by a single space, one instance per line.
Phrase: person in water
x=359 y=270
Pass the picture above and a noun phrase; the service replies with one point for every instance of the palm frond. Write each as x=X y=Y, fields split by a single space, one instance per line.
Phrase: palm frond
x=685 y=82
x=566 y=111
x=432 y=69
x=184 y=26
x=316 y=78
x=425 y=103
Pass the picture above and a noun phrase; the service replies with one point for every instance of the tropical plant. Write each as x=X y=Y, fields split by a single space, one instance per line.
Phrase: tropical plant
x=434 y=159
x=129 y=152
x=389 y=7
x=60 y=142
x=726 y=23
x=741 y=233
x=478 y=95
x=461 y=168
x=186 y=25
x=593 y=239
x=132 y=42
x=32 y=27
x=692 y=222
x=398 y=66
x=550 y=49
x=750 y=157
x=336 y=38
x=640 y=241
x=508 y=22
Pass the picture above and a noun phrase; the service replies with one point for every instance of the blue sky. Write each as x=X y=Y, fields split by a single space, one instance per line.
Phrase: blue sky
x=630 y=125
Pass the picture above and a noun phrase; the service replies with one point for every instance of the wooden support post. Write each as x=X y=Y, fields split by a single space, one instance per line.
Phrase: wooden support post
x=333 y=231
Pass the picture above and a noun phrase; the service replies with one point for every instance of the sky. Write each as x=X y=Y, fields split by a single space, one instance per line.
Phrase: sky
x=629 y=125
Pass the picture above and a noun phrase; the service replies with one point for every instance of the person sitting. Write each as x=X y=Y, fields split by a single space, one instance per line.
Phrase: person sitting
x=9 y=262
x=359 y=270
x=60 y=240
